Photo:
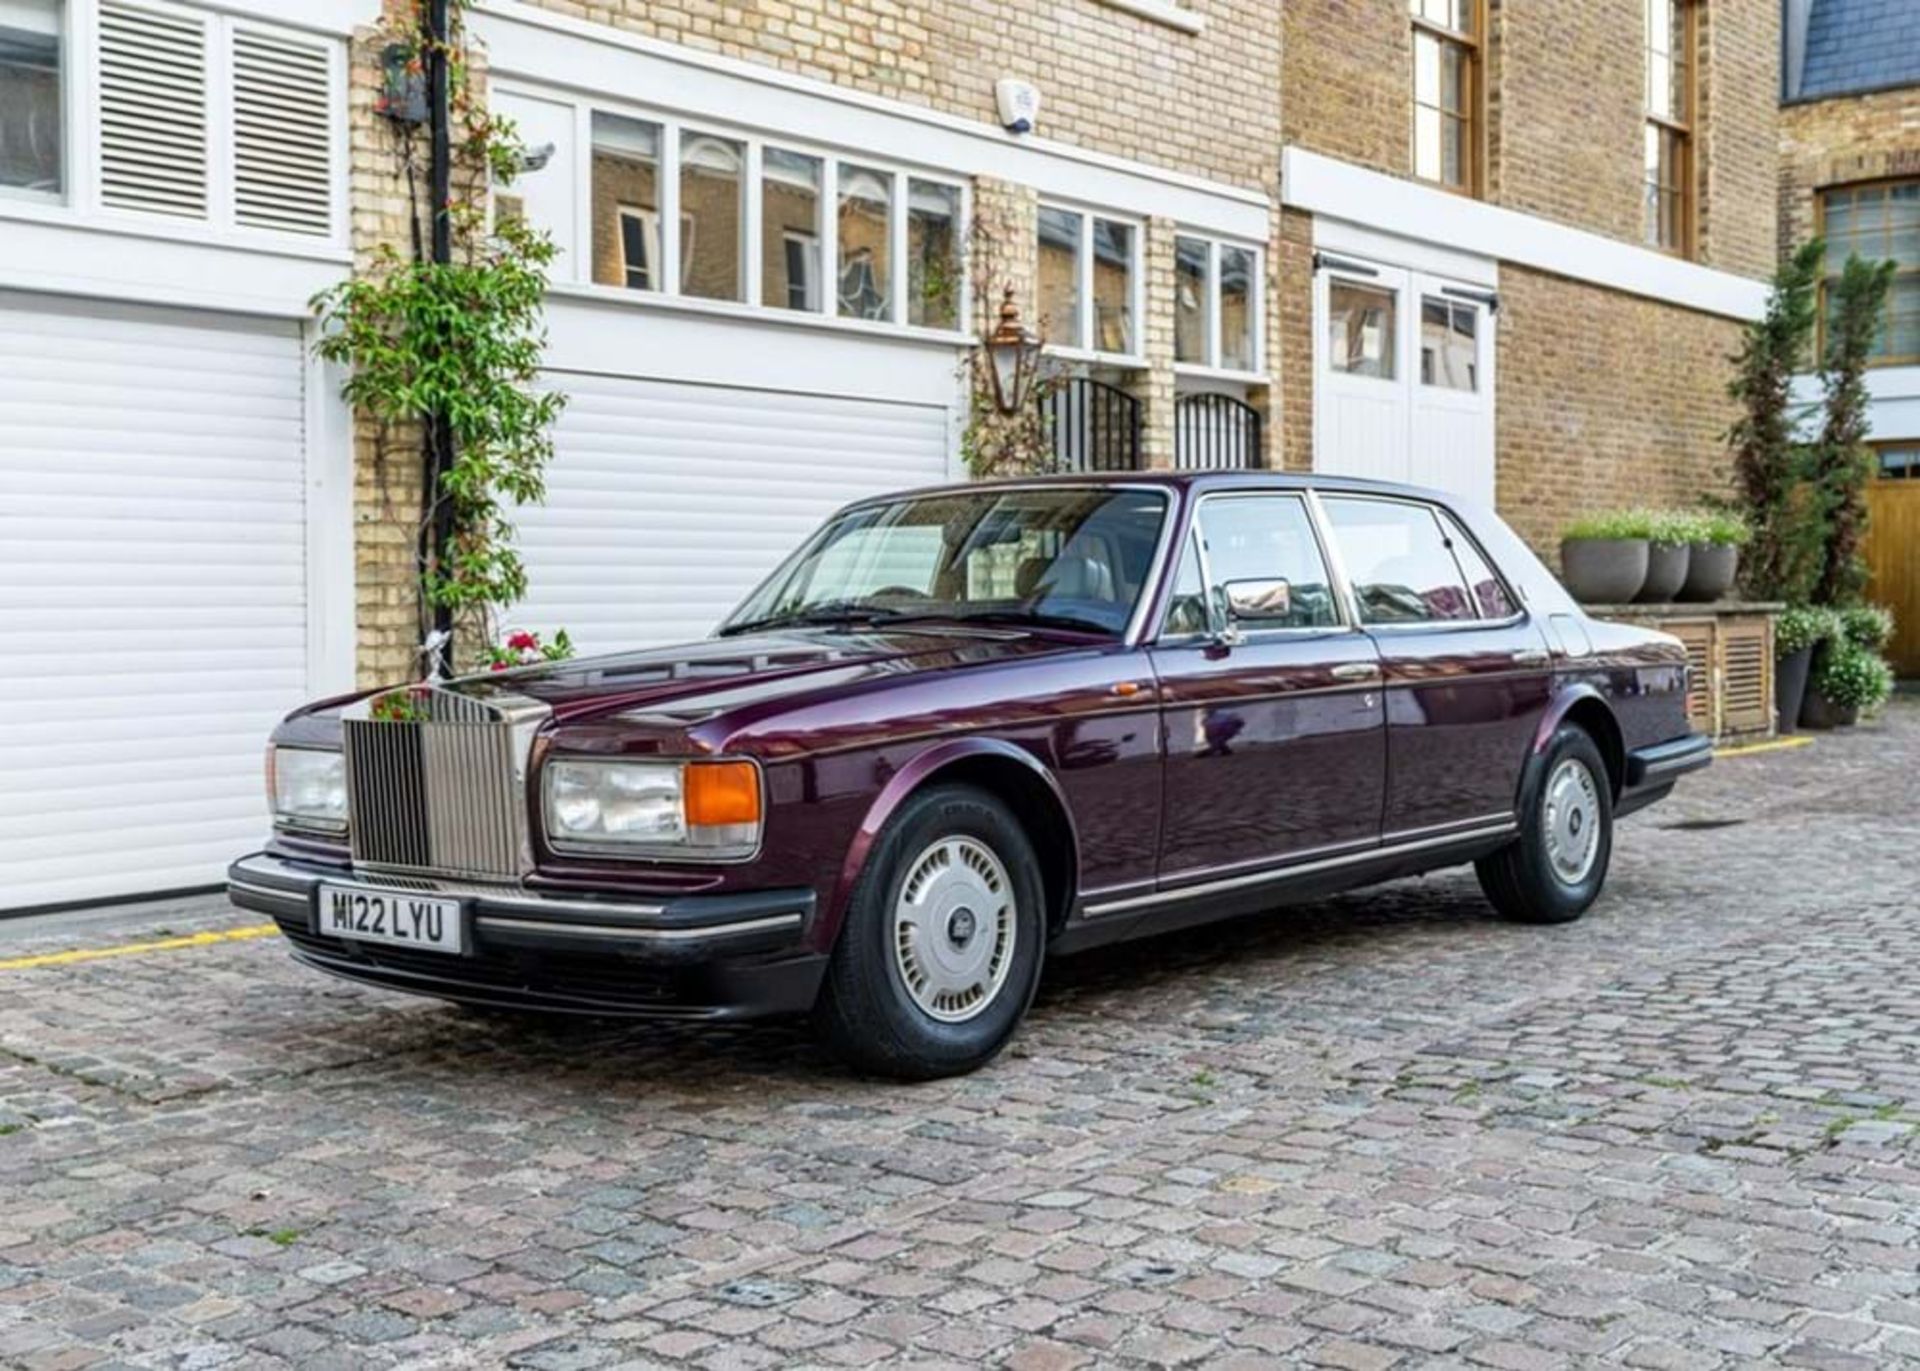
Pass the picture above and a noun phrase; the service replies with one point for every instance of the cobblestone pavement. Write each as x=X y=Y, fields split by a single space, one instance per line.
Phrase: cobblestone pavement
x=1385 y=1130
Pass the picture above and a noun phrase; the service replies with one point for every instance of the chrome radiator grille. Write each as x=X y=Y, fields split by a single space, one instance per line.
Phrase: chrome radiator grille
x=438 y=791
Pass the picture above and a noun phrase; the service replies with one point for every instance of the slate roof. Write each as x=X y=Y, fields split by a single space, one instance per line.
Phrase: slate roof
x=1860 y=45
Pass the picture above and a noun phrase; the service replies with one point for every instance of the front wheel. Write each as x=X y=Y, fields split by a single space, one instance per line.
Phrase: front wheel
x=941 y=949
x=1555 y=868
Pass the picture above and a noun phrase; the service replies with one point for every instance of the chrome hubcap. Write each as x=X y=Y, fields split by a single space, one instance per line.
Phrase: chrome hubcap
x=1572 y=821
x=953 y=929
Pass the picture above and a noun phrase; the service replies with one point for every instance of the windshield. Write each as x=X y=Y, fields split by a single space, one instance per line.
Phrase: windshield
x=1074 y=557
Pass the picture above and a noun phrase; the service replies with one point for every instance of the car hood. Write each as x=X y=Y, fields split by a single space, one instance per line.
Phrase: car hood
x=694 y=680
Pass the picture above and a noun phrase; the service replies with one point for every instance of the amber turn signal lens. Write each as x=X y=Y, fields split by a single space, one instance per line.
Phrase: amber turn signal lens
x=722 y=793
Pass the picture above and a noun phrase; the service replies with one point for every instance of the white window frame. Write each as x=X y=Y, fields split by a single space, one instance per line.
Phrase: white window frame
x=1082 y=351
x=577 y=275
x=1210 y=368
x=63 y=100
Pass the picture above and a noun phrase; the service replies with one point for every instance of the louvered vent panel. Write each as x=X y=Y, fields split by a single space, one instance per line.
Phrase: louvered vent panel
x=281 y=153
x=1746 y=678
x=1698 y=639
x=153 y=111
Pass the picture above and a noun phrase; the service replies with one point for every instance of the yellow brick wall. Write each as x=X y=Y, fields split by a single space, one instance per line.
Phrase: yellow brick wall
x=1836 y=142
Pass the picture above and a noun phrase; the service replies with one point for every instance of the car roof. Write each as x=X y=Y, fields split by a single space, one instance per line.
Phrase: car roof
x=1198 y=482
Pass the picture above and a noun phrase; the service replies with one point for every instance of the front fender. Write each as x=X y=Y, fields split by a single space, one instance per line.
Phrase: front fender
x=909 y=778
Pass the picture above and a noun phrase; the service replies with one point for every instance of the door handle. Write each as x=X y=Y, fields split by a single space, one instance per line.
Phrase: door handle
x=1531 y=656
x=1357 y=671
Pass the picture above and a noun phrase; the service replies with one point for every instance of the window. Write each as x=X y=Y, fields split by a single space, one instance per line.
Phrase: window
x=933 y=254
x=1491 y=598
x=1449 y=348
x=1669 y=132
x=1446 y=92
x=712 y=186
x=1266 y=538
x=1215 y=304
x=866 y=243
x=1361 y=329
x=1398 y=560
x=1088 y=269
x=1187 y=604
x=789 y=230
x=1878 y=222
x=1898 y=461
x=626 y=203
x=31 y=127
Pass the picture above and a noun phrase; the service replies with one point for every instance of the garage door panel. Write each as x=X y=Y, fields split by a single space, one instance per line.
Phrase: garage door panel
x=153 y=551
x=667 y=502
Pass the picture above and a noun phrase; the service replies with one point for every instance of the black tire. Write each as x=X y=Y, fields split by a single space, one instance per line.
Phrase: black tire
x=867 y=1015
x=1522 y=880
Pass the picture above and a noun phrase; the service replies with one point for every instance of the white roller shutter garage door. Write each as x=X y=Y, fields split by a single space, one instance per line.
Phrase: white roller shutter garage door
x=667 y=501
x=152 y=591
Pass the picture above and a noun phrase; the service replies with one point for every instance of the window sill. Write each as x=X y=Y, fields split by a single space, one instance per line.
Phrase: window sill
x=757 y=314
x=1166 y=12
x=197 y=232
x=1205 y=373
x=1120 y=360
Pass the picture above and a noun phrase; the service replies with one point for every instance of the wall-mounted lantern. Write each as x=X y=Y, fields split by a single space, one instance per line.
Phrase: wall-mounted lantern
x=1013 y=356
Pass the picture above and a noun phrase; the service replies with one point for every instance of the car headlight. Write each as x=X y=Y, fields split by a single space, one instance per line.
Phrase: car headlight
x=691 y=809
x=308 y=787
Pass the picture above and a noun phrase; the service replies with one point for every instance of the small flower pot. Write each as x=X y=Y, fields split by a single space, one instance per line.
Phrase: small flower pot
x=1820 y=712
x=1710 y=571
x=1667 y=565
x=1603 y=571
x=1790 y=687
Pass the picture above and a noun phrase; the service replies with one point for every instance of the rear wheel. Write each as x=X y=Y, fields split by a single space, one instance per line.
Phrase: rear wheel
x=941 y=949
x=1556 y=867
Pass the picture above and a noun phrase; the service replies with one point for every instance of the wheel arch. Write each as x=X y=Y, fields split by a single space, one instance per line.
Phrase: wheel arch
x=1585 y=706
x=1012 y=775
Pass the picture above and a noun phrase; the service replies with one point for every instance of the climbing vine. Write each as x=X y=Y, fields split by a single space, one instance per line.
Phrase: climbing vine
x=460 y=339
x=995 y=444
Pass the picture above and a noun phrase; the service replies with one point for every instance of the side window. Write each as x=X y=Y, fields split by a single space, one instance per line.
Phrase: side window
x=1187 y=609
x=1491 y=599
x=1402 y=569
x=1269 y=537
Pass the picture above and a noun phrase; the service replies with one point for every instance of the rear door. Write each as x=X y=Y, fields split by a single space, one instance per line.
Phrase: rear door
x=1467 y=675
x=1274 y=736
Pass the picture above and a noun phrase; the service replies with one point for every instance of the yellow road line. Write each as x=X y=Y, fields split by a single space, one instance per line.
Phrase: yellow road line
x=1776 y=745
x=91 y=954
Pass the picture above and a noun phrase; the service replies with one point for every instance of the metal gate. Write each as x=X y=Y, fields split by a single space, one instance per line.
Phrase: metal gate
x=1094 y=426
x=1213 y=432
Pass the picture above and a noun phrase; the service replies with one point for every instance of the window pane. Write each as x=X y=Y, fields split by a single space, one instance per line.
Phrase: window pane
x=626 y=202
x=1899 y=463
x=1112 y=286
x=789 y=230
x=866 y=245
x=1060 y=276
x=1401 y=568
x=1187 y=605
x=1238 y=348
x=1453 y=150
x=1490 y=598
x=1191 y=301
x=933 y=254
x=711 y=205
x=30 y=116
x=1449 y=356
x=1427 y=139
x=1900 y=335
x=1659 y=85
x=1903 y=224
x=1360 y=329
x=1268 y=537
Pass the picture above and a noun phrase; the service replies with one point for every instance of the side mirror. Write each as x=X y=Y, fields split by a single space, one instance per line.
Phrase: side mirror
x=1258 y=601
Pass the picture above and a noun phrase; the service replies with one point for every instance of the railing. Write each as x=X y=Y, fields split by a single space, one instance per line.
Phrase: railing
x=1095 y=426
x=1212 y=432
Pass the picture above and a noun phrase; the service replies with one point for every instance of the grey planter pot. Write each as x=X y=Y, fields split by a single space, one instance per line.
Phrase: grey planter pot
x=1667 y=565
x=1790 y=687
x=1710 y=571
x=1820 y=712
x=1603 y=571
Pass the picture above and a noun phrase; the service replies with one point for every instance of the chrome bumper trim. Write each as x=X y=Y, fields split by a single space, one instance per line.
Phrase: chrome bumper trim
x=661 y=935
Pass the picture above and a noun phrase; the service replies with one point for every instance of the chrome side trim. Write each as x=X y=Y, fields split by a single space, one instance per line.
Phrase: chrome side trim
x=1275 y=875
x=651 y=935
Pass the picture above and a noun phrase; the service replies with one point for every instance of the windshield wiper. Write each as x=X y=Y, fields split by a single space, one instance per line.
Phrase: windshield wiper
x=1035 y=618
x=828 y=612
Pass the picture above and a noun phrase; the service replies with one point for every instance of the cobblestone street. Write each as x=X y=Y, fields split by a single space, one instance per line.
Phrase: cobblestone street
x=1386 y=1130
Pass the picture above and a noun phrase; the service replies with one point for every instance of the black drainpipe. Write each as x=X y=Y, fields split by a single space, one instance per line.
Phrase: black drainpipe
x=439 y=436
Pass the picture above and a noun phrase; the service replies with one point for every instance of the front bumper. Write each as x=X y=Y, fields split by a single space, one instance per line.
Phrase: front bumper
x=682 y=957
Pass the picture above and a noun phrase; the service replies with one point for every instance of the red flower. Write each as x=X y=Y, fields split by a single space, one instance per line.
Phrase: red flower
x=499 y=666
x=524 y=642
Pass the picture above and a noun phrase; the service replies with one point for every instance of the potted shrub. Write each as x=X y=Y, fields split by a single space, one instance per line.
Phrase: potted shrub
x=1603 y=557
x=1848 y=680
x=1670 y=536
x=1796 y=633
x=1713 y=559
x=1867 y=626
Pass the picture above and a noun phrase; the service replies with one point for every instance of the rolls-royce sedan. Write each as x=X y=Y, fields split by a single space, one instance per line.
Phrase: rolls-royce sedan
x=961 y=730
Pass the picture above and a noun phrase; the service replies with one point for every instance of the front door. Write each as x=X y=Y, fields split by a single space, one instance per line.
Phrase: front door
x=1892 y=550
x=1403 y=378
x=1467 y=674
x=1274 y=737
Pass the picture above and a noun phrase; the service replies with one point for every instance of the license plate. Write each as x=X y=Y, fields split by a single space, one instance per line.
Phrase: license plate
x=398 y=917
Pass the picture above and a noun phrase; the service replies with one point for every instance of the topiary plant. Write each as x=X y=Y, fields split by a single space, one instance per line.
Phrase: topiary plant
x=1852 y=677
x=1867 y=626
x=1802 y=626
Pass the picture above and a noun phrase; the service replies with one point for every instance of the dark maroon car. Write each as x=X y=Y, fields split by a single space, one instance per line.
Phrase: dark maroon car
x=963 y=729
